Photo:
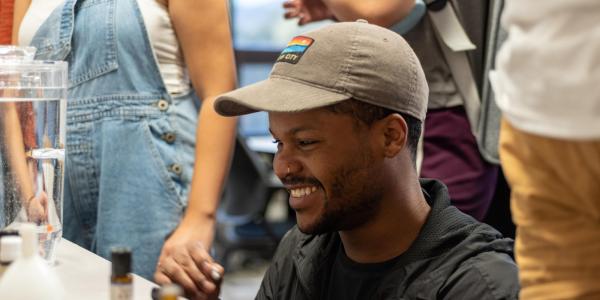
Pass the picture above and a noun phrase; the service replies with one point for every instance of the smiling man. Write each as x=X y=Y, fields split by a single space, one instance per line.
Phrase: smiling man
x=346 y=103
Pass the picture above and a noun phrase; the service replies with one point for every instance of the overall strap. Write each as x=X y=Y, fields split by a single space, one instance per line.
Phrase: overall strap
x=455 y=43
x=55 y=43
x=489 y=124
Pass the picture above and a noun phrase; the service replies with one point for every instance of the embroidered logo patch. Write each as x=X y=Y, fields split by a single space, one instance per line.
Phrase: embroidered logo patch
x=295 y=49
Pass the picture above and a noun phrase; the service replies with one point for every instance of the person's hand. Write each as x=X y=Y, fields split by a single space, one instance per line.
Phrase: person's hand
x=193 y=229
x=193 y=269
x=307 y=11
x=37 y=208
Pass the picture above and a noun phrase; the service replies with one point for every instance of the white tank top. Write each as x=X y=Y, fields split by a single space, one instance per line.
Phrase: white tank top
x=158 y=25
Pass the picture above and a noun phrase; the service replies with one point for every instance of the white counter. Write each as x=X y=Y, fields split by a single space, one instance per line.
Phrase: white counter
x=86 y=275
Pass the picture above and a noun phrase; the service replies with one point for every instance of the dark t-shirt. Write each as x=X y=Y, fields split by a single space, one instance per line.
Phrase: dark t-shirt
x=350 y=280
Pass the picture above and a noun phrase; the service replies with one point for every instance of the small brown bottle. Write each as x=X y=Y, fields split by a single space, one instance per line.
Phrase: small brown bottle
x=121 y=280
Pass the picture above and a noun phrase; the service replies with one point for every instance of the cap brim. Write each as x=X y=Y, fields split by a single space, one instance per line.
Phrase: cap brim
x=276 y=95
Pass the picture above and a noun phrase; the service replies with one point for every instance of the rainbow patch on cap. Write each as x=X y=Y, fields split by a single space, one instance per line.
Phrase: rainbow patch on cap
x=295 y=49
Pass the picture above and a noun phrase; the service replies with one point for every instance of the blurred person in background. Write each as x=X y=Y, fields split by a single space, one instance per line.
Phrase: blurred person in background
x=16 y=126
x=6 y=21
x=136 y=149
x=547 y=85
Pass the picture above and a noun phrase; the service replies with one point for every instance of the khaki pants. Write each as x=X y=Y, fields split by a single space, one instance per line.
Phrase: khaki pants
x=555 y=203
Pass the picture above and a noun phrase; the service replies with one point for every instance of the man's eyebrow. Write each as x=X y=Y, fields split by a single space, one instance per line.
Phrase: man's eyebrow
x=295 y=130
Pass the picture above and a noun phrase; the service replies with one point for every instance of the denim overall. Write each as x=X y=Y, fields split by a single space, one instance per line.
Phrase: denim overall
x=130 y=145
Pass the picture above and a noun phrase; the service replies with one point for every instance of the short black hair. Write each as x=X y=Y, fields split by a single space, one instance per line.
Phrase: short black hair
x=369 y=113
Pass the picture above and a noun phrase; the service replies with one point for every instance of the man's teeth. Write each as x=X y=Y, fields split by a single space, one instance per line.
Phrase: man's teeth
x=301 y=192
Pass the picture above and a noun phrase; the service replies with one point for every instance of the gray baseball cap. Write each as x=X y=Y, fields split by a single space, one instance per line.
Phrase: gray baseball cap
x=337 y=62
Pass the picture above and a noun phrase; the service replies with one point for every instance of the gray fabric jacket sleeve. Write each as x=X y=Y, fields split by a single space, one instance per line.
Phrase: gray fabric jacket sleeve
x=280 y=268
x=266 y=287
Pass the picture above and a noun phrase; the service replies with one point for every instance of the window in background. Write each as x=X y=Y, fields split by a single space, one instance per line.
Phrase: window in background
x=259 y=33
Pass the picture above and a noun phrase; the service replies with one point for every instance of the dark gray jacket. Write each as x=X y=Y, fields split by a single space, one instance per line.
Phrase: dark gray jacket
x=454 y=257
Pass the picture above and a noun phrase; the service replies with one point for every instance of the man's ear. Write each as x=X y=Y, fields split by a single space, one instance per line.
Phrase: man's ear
x=395 y=132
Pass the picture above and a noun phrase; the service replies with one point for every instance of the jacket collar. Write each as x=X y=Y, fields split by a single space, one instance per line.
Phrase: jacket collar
x=313 y=259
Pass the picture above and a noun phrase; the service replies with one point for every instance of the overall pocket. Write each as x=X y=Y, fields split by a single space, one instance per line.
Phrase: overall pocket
x=161 y=142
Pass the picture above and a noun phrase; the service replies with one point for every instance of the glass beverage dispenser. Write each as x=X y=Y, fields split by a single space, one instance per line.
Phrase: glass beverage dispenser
x=32 y=138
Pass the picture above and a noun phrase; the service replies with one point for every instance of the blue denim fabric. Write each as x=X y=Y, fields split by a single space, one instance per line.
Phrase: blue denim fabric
x=2 y=183
x=121 y=186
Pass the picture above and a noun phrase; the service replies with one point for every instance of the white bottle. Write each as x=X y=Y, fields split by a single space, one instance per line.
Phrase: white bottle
x=30 y=277
x=10 y=250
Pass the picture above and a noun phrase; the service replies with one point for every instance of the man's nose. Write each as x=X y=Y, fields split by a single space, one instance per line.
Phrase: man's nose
x=284 y=165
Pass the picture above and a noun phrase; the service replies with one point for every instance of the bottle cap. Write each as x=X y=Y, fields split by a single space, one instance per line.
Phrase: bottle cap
x=121 y=261
x=6 y=232
x=170 y=290
x=10 y=248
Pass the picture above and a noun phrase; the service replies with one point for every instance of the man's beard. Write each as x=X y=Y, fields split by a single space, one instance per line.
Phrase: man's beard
x=349 y=206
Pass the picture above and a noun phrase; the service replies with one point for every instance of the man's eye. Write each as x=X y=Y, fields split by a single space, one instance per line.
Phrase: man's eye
x=303 y=143
x=278 y=142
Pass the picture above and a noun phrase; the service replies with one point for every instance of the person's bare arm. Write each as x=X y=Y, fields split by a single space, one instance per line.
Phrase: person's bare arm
x=19 y=11
x=35 y=205
x=202 y=28
x=307 y=11
x=381 y=12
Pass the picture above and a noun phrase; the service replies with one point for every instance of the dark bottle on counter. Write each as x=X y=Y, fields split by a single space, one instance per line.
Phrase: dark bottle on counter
x=121 y=279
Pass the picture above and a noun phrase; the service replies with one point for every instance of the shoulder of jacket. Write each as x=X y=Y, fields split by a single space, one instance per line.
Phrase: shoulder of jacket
x=488 y=275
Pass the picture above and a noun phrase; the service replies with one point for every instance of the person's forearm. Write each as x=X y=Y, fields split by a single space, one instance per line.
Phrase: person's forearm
x=16 y=152
x=380 y=12
x=213 y=153
x=19 y=11
x=203 y=31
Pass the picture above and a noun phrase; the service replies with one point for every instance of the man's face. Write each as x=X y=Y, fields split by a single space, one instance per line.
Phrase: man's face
x=327 y=163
